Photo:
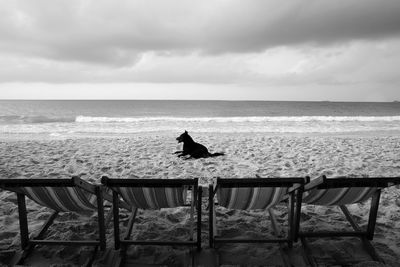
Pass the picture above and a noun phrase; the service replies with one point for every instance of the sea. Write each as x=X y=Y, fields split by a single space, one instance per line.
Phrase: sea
x=115 y=118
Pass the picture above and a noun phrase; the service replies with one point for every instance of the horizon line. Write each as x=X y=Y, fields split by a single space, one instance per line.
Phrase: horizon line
x=220 y=100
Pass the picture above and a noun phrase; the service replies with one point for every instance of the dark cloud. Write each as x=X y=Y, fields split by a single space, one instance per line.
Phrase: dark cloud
x=117 y=33
x=264 y=25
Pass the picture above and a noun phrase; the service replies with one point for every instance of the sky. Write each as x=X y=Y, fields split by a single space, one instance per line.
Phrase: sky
x=313 y=50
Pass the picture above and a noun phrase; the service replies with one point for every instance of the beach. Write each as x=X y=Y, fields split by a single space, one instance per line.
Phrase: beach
x=151 y=155
x=96 y=98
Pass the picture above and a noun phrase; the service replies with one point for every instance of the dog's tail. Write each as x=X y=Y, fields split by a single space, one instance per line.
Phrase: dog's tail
x=216 y=154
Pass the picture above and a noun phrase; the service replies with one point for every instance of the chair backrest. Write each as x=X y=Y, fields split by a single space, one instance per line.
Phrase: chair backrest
x=152 y=193
x=253 y=193
x=341 y=191
x=338 y=196
x=57 y=194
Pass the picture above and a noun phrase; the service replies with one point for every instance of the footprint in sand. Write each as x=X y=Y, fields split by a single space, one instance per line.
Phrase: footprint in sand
x=105 y=169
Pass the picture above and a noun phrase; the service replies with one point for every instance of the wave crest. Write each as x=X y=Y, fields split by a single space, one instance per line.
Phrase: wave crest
x=86 y=119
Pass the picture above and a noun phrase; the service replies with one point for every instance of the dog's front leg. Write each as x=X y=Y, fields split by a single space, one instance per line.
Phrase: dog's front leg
x=176 y=152
x=183 y=154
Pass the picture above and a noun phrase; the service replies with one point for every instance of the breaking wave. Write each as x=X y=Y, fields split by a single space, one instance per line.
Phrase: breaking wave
x=14 y=119
x=127 y=125
x=239 y=119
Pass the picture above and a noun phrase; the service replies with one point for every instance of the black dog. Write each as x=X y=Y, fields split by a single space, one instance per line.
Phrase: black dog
x=194 y=149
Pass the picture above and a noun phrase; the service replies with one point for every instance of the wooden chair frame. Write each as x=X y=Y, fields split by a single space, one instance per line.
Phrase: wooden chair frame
x=293 y=198
x=28 y=243
x=123 y=243
x=365 y=235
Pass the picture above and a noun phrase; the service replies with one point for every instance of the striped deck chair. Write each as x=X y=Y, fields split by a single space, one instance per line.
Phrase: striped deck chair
x=153 y=194
x=60 y=195
x=341 y=192
x=257 y=193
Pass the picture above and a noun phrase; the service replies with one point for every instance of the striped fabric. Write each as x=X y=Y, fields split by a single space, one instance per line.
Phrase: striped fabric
x=153 y=197
x=338 y=196
x=62 y=198
x=250 y=198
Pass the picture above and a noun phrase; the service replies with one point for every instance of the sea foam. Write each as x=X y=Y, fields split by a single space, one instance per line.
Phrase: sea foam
x=239 y=119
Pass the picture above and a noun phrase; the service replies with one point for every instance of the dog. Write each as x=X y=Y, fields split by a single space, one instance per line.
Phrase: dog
x=195 y=150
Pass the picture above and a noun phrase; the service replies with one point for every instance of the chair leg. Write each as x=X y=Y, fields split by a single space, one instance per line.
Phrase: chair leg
x=130 y=224
x=28 y=249
x=290 y=220
x=23 y=221
x=117 y=242
x=100 y=214
x=297 y=215
x=373 y=213
x=46 y=225
x=211 y=215
x=367 y=244
x=192 y=204
x=122 y=253
x=199 y=194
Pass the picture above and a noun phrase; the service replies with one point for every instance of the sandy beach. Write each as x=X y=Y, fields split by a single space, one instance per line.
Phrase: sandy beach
x=247 y=155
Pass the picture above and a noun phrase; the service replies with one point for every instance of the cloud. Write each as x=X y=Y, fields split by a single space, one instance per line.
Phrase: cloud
x=117 y=34
x=265 y=24
x=266 y=45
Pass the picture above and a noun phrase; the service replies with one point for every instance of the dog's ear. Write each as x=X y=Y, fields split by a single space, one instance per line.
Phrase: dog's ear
x=186 y=132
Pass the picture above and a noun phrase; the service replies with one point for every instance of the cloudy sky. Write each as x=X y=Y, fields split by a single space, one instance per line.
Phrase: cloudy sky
x=210 y=49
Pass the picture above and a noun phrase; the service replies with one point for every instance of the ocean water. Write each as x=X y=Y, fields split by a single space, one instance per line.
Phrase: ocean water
x=69 y=119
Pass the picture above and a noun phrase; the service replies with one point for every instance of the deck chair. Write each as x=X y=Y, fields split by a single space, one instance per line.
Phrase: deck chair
x=60 y=195
x=153 y=194
x=257 y=193
x=341 y=192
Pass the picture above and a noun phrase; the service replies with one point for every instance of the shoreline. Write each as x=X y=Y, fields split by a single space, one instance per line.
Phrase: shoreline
x=13 y=137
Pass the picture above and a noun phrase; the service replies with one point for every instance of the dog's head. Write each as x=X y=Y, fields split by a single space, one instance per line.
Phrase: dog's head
x=183 y=137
